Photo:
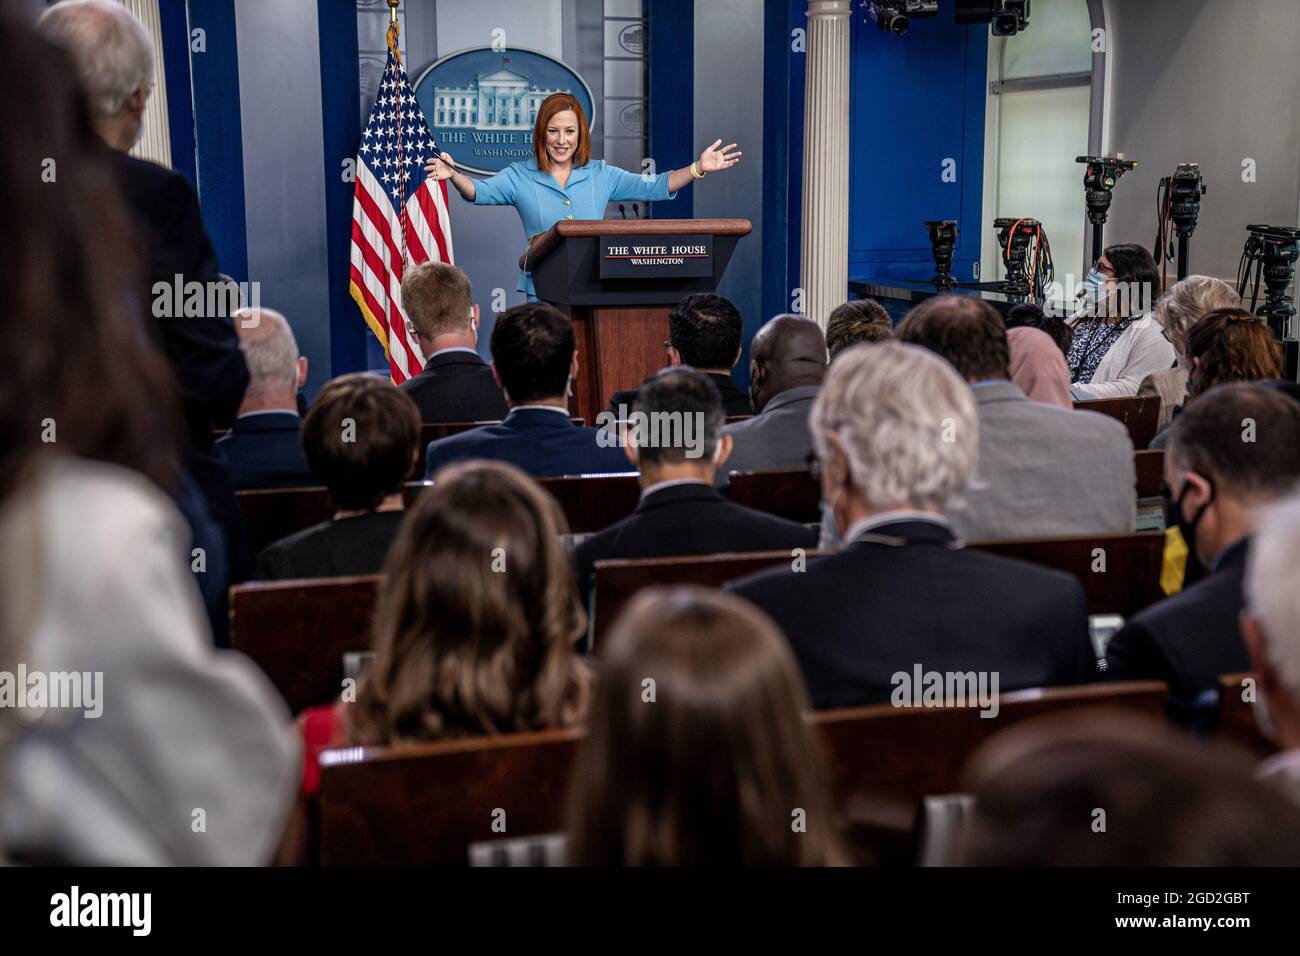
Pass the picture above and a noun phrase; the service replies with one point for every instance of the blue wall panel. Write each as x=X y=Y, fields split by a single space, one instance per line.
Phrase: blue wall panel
x=917 y=101
x=783 y=83
x=670 y=91
x=340 y=78
x=174 y=27
x=218 y=133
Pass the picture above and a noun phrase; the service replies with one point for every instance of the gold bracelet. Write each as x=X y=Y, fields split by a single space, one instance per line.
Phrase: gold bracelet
x=695 y=170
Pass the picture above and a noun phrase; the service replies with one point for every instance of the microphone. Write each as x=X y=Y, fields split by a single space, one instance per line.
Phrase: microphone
x=636 y=210
x=621 y=211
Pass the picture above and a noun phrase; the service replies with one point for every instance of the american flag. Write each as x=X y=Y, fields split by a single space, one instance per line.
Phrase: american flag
x=399 y=217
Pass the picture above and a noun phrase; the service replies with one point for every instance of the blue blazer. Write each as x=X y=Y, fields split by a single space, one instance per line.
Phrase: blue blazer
x=542 y=443
x=265 y=451
x=541 y=202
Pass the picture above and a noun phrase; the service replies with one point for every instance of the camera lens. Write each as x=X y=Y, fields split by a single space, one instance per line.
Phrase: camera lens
x=898 y=24
x=1004 y=25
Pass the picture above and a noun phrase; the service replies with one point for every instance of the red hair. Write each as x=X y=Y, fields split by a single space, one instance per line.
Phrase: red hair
x=558 y=103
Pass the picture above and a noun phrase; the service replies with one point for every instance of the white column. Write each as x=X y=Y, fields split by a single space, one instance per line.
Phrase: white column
x=155 y=139
x=824 y=239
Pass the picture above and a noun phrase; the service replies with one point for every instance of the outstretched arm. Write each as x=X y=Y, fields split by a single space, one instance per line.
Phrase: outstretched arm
x=444 y=167
x=711 y=160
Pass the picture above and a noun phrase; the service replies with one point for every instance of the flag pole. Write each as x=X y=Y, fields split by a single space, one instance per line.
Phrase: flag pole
x=394 y=32
x=394 y=29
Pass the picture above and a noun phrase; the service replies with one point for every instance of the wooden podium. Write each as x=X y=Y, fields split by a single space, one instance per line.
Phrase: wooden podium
x=617 y=280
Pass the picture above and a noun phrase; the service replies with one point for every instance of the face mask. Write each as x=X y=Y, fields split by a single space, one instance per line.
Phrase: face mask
x=1186 y=528
x=830 y=539
x=1093 y=284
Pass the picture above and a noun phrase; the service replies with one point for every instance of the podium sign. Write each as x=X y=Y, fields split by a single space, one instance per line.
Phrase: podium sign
x=656 y=257
x=618 y=280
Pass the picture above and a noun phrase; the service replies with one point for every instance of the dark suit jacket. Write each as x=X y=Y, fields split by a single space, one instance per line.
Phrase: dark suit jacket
x=856 y=618
x=541 y=442
x=204 y=352
x=209 y=368
x=734 y=401
x=688 y=519
x=1187 y=640
x=265 y=451
x=457 y=387
x=333 y=549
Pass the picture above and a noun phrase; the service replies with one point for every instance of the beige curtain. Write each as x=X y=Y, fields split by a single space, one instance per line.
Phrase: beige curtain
x=155 y=143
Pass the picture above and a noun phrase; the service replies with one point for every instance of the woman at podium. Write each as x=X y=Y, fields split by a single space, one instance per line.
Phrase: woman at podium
x=561 y=181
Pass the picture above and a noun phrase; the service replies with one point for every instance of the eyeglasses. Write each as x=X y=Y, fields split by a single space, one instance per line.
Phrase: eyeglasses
x=1167 y=334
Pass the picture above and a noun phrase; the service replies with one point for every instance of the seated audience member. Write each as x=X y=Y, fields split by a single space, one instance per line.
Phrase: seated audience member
x=361 y=436
x=95 y=580
x=1116 y=344
x=263 y=448
x=1270 y=625
x=680 y=511
x=534 y=359
x=1236 y=448
x=855 y=322
x=1028 y=315
x=456 y=384
x=1037 y=367
x=710 y=772
x=1168 y=799
x=1224 y=346
x=897 y=435
x=787 y=362
x=1042 y=470
x=704 y=332
x=1176 y=311
x=462 y=649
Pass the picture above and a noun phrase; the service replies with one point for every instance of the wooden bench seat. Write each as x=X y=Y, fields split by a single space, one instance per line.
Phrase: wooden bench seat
x=425 y=804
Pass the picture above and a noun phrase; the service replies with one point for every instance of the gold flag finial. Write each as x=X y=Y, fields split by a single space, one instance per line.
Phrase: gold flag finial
x=394 y=30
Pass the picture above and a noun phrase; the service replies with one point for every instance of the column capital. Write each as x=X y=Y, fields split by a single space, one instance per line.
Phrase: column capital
x=829 y=9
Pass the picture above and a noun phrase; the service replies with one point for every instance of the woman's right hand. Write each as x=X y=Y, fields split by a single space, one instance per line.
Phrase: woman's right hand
x=440 y=167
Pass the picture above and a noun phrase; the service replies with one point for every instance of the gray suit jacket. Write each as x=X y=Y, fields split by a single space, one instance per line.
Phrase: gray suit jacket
x=1170 y=386
x=1045 y=471
x=778 y=437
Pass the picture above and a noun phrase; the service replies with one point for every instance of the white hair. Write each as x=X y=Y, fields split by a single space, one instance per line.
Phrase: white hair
x=1272 y=594
x=906 y=420
x=1188 y=299
x=269 y=348
x=112 y=51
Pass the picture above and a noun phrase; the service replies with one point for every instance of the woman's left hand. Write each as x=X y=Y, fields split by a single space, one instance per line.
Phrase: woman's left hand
x=715 y=157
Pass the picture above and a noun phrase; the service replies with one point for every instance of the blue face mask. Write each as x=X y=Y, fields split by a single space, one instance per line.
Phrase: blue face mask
x=1093 y=284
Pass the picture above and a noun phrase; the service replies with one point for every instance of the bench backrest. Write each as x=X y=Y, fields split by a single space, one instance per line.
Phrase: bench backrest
x=788 y=493
x=1120 y=573
x=425 y=804
x=905 y=753
x=1141 y=416
x=1150 y=469
x=298 y=632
